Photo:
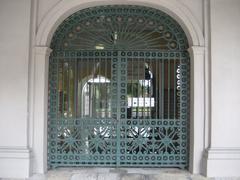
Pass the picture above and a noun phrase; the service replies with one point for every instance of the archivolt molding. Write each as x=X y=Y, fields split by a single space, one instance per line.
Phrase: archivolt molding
x=174 y=8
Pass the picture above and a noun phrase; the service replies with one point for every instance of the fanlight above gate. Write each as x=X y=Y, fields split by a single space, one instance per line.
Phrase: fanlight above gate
x=119 y=27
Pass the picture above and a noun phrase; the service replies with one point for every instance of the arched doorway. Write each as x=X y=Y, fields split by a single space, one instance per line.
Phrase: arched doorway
x=130 y=67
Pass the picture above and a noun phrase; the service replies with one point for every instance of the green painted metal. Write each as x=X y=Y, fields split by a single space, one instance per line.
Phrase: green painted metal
x=119 y=27
x=126 y=105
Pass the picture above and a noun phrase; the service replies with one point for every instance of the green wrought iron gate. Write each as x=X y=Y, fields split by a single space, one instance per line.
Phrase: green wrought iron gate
x=118 y=108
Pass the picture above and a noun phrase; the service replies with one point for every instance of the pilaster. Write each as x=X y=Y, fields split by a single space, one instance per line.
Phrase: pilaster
x=196 y=108
x=40 y=108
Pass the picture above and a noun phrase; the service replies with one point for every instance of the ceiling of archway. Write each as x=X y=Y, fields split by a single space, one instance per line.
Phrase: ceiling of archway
x=121 y=27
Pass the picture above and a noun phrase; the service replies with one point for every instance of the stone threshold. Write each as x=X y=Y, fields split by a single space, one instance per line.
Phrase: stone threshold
x=120 y=174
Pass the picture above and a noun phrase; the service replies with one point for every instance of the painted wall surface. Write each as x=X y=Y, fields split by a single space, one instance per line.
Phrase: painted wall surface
x=225 y=51
x=14 y=58
x=43 y=7
x=195 y=5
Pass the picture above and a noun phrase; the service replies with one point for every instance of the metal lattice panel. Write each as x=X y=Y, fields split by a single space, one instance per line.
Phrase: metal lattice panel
x=118 y=90
x=80 y=138
x=121 y=139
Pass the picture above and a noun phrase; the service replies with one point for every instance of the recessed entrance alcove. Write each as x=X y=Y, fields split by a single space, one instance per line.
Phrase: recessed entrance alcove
x=118 y=89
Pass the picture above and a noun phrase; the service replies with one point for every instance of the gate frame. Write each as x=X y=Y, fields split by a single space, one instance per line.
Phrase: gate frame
x=39 y=81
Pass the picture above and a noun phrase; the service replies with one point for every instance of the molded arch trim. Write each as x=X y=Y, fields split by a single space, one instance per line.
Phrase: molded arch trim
x=173 y=8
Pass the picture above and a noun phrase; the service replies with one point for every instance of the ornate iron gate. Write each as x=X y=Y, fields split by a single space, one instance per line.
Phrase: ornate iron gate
x=117 y=107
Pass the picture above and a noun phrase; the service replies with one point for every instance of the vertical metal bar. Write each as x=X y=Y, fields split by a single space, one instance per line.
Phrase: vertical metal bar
x=132 y=92
x=118 y=106
x=146 y=95
x=143 y=89
x=113 y=88
x=58 y=98
x=151 y=88
x=113 y=99
x=91 y=86
x=106 y=90
x=71 y=87
x=80 y=91
x=99 y=114
x=148 y=89
x=156 y=87
x=63 y=89
x=105 y=62
x=94 y=89
x=68 y=88
x=93 y=98
x=97 y=88
x=169 y=80
x=181 y=126
x=163 y=87
x=137 y=109
x=160 y=88
x=58 y=89
x=75 y=100
x=174 y=88
x=89 y=89
x=108 y=87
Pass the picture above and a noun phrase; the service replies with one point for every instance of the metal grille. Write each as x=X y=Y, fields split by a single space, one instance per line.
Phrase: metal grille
x=121 y=107
x=119 y=27
x=131 y=110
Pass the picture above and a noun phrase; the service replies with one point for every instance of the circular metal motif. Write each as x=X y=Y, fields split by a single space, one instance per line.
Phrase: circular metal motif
x=119 y=34
x=121 y=27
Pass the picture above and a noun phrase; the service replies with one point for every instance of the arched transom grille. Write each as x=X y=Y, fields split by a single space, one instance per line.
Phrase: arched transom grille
x=119 y=27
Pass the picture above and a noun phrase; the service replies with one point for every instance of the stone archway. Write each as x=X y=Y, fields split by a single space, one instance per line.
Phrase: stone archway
x=42 y=51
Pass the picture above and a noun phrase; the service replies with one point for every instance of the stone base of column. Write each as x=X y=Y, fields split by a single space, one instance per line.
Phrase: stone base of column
x=15 y=162
x=221 y=162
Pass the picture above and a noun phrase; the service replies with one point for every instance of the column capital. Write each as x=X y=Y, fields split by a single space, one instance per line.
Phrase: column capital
x=42 y=50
